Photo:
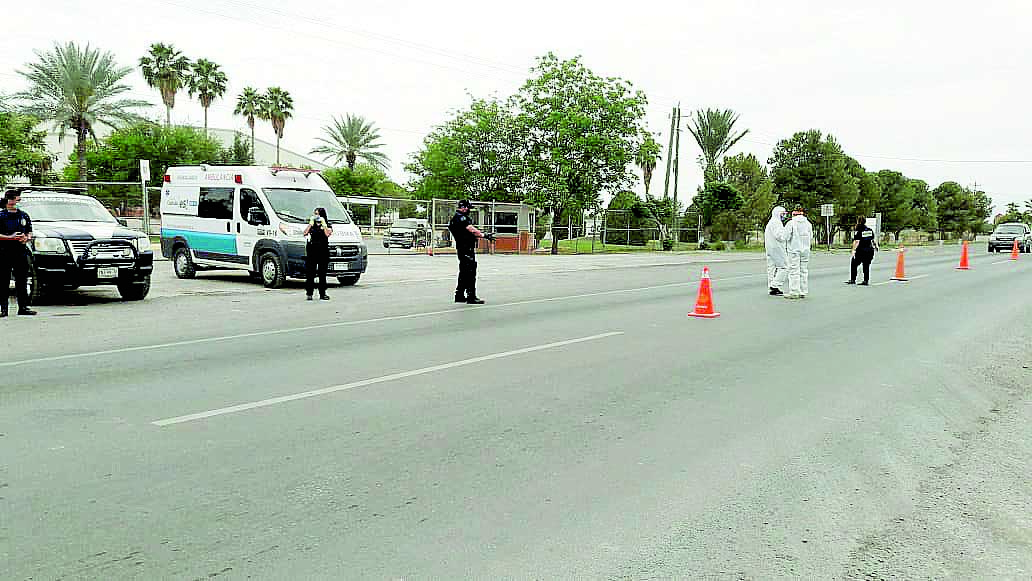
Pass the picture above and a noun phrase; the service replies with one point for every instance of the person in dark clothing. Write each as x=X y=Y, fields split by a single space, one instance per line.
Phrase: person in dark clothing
x=317 y=253
x=465 y=235
x=15 y=234
x=864 y=246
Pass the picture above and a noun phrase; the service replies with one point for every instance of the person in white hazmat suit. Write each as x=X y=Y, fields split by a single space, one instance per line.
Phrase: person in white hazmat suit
x=777 y=255
x=798 y=238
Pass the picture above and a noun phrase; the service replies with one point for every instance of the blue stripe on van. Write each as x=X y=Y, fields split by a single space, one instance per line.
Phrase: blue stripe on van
x=205 y=241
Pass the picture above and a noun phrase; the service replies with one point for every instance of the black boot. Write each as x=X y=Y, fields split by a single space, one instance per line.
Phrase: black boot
x=474 y=301
x=26 y=311
x=460 y=297
x=776 y=292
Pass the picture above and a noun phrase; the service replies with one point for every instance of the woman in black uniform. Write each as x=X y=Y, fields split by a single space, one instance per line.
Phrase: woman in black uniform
x=864 y=246
x=317 y=252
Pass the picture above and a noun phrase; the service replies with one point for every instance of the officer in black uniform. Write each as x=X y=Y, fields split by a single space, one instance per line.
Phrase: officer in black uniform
x=15 y=233
x=864 y=246
x=465 y=235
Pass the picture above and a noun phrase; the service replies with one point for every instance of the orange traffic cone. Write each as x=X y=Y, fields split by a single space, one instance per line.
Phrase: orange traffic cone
x=704 y=304
x=430 y=247
x=1014 y=251
x=964 y=264
x=901 y=272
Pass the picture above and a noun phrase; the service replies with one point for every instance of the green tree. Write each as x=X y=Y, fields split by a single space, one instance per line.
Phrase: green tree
x=897 y=203
x=167 y=70
x=351 y=139
x=657 y=212
x=622 y=226
x=955 y=205
x=117 y=157
x=749 y=177
x=714 y=132
x=810 y=170
x=364 y=180
x=277 y=107
x=925 y=208
x=239 y=153
x=78 y=88
x=478 y=154
x=249 y=105
x=581 y=132
x=646 y=158
x=23 y=152
x=208 y=83
x=981 y=209
x=1013 y=213
x=717 y=198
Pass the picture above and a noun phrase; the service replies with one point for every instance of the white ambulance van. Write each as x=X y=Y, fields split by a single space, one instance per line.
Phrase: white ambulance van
x=253 y=218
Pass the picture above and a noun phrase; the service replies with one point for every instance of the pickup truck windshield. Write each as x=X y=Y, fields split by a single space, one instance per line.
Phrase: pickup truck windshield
x=62 y=209
x=1010 y=230
x=296 y=205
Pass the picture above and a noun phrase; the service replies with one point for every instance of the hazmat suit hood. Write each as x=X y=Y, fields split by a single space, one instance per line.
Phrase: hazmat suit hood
x=774 y=238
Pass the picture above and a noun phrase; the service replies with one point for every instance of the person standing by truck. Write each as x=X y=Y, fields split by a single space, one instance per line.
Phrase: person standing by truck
x=317 y=253
x=15 y=234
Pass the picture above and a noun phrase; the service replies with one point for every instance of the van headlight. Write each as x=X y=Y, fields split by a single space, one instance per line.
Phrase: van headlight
x=142 y=244
x=44 y=245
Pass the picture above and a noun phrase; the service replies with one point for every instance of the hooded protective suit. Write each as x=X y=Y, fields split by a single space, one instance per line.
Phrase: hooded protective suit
x=798 y=238
x=777 y=255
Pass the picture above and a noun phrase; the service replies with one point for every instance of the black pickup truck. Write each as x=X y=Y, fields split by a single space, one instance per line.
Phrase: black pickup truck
x=77 y=242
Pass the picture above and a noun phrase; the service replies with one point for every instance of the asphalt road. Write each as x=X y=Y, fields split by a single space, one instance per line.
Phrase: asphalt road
x=577 y=426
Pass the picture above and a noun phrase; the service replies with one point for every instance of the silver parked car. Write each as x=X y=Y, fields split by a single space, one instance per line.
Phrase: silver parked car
x=1004 y=235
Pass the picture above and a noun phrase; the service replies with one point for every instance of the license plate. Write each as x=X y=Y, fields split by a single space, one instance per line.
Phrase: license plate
x=338 y=266
x=108 y=272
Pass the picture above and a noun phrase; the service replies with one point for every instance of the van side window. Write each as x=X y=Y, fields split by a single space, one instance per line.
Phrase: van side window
x=248 y=200
x=215 y=203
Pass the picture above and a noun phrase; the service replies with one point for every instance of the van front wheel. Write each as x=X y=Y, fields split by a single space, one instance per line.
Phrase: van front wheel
x=272 y=270
x=183 y=264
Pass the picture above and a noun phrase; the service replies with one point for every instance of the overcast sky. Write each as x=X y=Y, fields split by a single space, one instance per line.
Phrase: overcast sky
x=936 y=89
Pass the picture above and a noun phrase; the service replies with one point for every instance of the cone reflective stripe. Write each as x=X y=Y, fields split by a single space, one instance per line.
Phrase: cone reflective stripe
x=1014 y=251
x=704 y=303
x=901 y=271
x=964 y=262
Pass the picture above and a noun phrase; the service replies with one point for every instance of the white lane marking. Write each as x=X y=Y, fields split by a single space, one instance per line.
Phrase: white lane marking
x=918 y=277
x=376 y=380
x=1003 y=261
x=251 y=335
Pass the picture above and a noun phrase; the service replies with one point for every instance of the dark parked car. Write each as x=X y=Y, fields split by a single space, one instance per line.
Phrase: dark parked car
x=1004 y=235
x=77 y=242
x=407 y=232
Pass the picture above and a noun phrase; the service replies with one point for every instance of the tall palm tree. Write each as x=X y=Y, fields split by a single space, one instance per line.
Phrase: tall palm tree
x=351 y=139
x=208 y=82
x=646 y=157
x=714 y=131
x=168 y=71
x=249 y=104
x=277 y=107
x=78 y=87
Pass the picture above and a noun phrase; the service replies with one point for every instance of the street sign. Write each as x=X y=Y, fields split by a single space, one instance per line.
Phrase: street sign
x=145 y=170
x=827 y=209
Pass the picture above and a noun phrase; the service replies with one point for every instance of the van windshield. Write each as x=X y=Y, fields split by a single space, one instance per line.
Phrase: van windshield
x=297 y=204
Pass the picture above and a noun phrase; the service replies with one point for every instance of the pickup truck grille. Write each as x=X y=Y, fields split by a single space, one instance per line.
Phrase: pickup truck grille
x=343 y=251
x=115 y=251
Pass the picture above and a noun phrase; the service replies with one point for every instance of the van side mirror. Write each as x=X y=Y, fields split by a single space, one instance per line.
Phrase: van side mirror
x=122 y=222
x=257 y=217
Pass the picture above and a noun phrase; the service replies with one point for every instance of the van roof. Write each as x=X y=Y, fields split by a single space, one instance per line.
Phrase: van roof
x=244 y=174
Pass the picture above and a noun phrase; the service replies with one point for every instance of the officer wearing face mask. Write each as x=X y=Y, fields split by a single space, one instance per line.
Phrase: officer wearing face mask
x=15 y=234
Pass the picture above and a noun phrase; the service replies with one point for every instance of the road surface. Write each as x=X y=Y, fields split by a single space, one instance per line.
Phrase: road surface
x=578 y=426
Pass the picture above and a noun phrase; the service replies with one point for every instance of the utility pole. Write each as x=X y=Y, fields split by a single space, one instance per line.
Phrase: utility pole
x=670 y=153
x=677 y=164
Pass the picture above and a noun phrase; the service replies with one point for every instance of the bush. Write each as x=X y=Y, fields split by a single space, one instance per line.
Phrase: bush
x=718 y=246
x=668 y=244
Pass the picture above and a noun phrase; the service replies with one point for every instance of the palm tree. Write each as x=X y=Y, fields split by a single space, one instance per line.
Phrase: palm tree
x=168 y=71
x=713 y=130
x=208 y=82
x=249 y=104
x=351 y=139
x=646 y=157
x=78 y=88
x=277 y=107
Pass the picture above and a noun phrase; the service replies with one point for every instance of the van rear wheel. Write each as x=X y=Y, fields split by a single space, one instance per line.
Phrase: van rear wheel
x=183 y=264
x=272 y=270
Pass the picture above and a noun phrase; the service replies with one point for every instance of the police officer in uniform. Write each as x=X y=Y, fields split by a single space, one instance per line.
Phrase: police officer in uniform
x=15 y=233
x=864 y=246
x=465 y=235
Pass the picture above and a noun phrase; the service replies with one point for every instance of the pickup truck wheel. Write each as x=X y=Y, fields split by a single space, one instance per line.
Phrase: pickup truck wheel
x=35 y=288
x=183 y=264
x=348 y=280
x=272 y=270
x=136 y=290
